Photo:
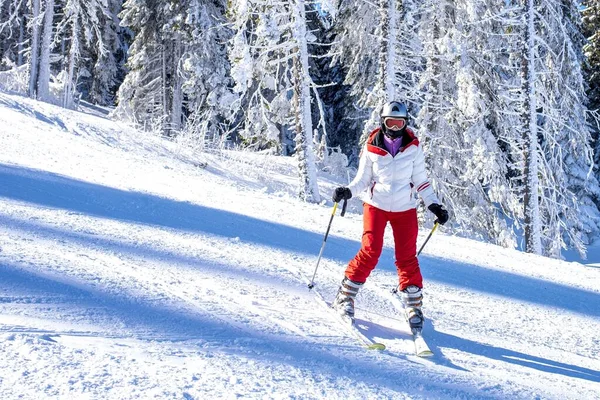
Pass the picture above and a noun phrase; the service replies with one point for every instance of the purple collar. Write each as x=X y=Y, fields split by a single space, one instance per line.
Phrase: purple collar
x=392 y=145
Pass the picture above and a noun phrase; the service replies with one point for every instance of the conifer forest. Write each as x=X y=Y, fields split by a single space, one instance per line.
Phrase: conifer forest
x=503 y=95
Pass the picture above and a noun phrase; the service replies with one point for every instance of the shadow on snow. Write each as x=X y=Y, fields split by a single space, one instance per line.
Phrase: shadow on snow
x=509 y=285
x=221 y=335
x=55 y=191
x=31 y=111
x=514 y=357
x=52 y=190
x=151 y=253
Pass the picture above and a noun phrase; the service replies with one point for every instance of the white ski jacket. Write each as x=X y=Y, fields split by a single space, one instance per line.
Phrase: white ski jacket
x=390 y=183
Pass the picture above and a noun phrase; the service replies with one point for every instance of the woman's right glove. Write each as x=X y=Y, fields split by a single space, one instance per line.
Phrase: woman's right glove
x=440 y=212
x=341 y=193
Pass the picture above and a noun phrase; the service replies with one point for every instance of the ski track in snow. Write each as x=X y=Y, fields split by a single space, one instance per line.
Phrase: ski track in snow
x=127 y=271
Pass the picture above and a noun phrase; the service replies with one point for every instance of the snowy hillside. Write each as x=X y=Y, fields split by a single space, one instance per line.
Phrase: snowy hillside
x=129 y=271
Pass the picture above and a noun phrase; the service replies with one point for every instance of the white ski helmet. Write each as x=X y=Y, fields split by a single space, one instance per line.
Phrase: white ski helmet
x=393 y=109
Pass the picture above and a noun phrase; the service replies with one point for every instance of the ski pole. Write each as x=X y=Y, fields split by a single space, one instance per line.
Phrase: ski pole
x=435 y=226
x=335 y=206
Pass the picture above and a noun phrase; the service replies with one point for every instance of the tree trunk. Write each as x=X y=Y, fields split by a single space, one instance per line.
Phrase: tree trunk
x=165 y=121
x=531 y=205
x=73 y=56
x=177 y=103
x=435 y=89
x=21 y=40
x=43 y=92
x=309 y=189
x=390 y=30
x=35 y=49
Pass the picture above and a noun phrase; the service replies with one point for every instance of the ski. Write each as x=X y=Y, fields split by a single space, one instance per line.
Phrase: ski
x=421 y=347
x=350 y=326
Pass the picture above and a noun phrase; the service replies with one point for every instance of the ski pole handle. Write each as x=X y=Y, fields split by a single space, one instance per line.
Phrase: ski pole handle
x=335 y=206
x=343 y=208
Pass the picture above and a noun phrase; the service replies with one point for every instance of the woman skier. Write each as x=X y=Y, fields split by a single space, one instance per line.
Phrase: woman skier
x=390 y=171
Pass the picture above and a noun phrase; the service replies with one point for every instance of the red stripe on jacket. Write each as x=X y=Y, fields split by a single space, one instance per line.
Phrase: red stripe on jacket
x=377 y=150
x=423 y=186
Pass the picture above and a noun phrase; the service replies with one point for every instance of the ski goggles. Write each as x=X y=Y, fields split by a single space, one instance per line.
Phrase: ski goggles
x=394 y=124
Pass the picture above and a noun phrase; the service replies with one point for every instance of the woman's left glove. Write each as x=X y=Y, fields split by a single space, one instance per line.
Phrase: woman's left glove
x=440 y=212
x=341 y=193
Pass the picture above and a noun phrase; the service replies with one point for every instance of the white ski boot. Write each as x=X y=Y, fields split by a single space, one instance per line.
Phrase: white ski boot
x=344 y=301
x=412 y=297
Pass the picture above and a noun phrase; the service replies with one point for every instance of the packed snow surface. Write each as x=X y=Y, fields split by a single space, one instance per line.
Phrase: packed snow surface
x=134 y=268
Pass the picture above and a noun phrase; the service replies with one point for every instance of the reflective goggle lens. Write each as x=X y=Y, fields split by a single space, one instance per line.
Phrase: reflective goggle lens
x=394 y=124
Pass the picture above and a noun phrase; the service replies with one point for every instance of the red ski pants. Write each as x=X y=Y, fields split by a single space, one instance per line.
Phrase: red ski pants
x=404 y=228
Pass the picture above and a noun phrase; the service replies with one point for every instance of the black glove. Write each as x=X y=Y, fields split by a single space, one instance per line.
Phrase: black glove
x=341 y=193
x=440 y=213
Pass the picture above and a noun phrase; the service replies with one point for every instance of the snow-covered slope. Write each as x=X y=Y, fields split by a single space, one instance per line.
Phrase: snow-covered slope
x=127 y=270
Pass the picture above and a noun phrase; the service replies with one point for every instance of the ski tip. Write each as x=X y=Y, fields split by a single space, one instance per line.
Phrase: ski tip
x=425 y=354
x=376 y=346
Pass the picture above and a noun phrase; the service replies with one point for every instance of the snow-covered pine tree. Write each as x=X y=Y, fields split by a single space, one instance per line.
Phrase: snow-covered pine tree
x=583 y=225
x=342 y=124
x=261 y=70
x=557 y=156
x=475 y=178
x=108 y=56
x=177 y=65
x=59 y=39
x=591 y=30
x=270 y=67
x=143 y=96
x=439 y=133
x=319 y=22
x=12 y=32
x=207 y=85
x=80 y=29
